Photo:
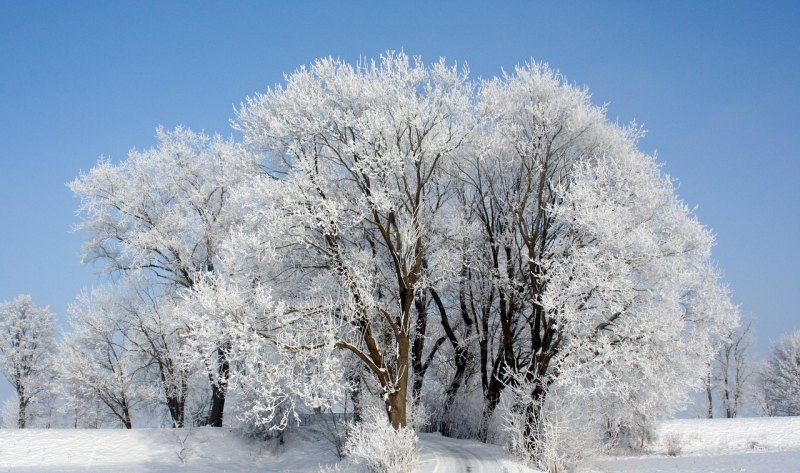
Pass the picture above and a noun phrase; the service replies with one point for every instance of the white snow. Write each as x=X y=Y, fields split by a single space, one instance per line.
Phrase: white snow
x=751 y=445
x=728 y=435
x=153 y=450
x=216 y=450
x=751 y=462
x=439 y=454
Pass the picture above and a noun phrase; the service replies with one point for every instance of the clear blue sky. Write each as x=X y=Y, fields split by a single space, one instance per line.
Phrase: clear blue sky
x=716 y=85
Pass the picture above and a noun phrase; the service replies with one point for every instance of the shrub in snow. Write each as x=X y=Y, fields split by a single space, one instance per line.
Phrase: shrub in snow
x=9 y=413
x=418 y=417
x=379 y=447
x=673 y=443
x=463 y=418
x=754 y=445
x=632 y=432
x=552 y=433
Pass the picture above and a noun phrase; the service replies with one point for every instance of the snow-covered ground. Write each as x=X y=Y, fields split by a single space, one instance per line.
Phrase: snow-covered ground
x=442 y=454
x=751 y=445
x=153 y=450
x=216 y=450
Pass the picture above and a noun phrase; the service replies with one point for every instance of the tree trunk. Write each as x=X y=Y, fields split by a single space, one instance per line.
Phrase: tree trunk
x=450 y=393
x=461 y=352
x=532 y=416
x=355 y=397
x=126 y=416
x=418 y=347
x=219 y=386
x=396 y=408
x=396 y=400
x=709 y=397
x=23 y=404
x=492 y=394
x=215 y=412
x=726 y=389
x=176 y=411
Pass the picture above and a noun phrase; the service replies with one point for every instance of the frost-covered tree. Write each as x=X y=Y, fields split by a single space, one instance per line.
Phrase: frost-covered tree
x=631 y=293
x=780 y=377
x=580 y=267
x=736 y=370
x=451 y=239
x=27 y=341
x=543 y=242
x=346 y=234
x=280 y=362
x=160 y=338
x=730 y=374
x=163 y=212
x=100 y=365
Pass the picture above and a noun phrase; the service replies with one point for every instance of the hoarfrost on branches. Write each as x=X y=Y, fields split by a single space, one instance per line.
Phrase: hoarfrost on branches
x=454 y=245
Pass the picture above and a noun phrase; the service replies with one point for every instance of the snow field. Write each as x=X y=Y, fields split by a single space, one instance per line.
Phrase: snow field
x=749 y=445
x=730 y=435
x=219 y=450
x=151 y=450
x=746 y=445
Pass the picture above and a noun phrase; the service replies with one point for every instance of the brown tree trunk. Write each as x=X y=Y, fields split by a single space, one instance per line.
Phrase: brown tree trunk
x=217 y=408
x=460 y=350
x=397 y=399
x=532 y=410
x=492 y=394
x=396 y=408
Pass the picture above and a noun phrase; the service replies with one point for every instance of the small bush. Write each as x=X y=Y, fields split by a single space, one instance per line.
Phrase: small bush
x=379 y=447
x=673 y=444
x=754 y=445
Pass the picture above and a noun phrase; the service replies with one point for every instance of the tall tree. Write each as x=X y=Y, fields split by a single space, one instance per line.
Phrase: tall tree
x=362 y=159
x=27 y=342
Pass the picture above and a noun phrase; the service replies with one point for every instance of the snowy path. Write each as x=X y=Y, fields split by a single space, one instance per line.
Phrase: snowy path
x=445 y=455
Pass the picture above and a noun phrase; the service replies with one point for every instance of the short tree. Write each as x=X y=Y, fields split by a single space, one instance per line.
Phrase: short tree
x=26 y=345
x=159 y=217
x=100 y=368
x=730 y=374
x=780 y=377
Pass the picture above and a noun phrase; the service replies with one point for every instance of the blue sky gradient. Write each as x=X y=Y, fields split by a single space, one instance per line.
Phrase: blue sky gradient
x=714 y=83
